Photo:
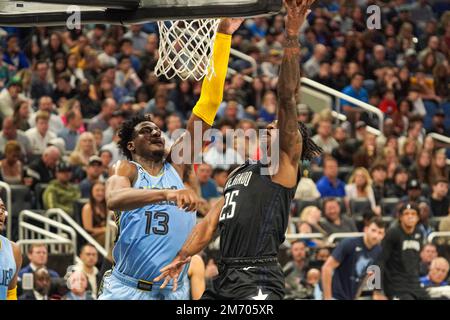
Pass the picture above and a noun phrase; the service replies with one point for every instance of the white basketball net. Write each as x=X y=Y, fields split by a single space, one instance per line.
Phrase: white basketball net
x=185 y=48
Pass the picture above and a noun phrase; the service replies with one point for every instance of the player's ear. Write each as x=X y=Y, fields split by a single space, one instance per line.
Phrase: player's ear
x=130 y=146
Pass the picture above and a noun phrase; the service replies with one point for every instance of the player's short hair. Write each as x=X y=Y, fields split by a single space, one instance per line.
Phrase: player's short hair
x=85 y=246
x=408 y=206
x=126 y=133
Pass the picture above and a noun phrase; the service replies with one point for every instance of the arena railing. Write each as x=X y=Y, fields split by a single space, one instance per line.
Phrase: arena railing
x=304 y=236
x=246 y=57
x=342 y=235
x=62 y=217
x=64 y=241
x=339 y=95
x=8 y=204
x=441 y=138
x=438 y=234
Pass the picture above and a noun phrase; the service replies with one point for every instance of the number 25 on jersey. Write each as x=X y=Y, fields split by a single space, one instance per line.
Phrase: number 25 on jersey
x=230 y=205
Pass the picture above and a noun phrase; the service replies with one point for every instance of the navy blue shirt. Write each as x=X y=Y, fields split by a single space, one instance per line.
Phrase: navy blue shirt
x=354 y=258
x=209 y=190
x=327 y=189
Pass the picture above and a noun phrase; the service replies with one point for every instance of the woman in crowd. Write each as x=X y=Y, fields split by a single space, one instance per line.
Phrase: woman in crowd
x=11 y=167
x=94 y=213
x=84 y=149
x=360 y=187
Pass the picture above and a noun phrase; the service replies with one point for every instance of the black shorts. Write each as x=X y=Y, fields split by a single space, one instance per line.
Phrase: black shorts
x=247 y=279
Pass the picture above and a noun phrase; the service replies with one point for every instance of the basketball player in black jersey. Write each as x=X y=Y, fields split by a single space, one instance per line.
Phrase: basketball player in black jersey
x=253 y=214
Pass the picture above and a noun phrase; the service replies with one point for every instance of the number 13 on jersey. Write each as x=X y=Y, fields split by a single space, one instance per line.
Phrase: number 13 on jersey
x=230 y=205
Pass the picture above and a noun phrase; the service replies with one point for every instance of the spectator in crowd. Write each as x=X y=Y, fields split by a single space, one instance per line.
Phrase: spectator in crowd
x=335 y=221
x=355 y=90
x=414 y=192
x=60 y=193
x=366 y=155
x=439 y=167
x=437 y=276
x=378 y=173
x=310 y=223
x=330 y=185
x=55 y=122
x=77 y=283
x=40 y=135
x=345 y=271
x=174 y=126
x=106 y=157
x=438 y=124
x=324 y=137
x=207 y=185
x=95 y=212
x=101 y=120
x=70 y=133
x=41 y=286
x=428 y=253
x=220 y=155
x=398 y=187
x=38 y=257
x=295 y=270
x=94 y=172
x=21 y=115
x=220 y=176
x=106 y=58
x=312 y=66
x=10 y=133
x=421 y=169
x=9 y=97
x=11 y=168
x=306 y=188
x=84 y=149
x=40 y=84
x=42 y=170
x=268 y=109
x=439 y=200
x=425 y=226
x=13 y=55
x=360 y=186
x=400 y=258
x=88 y=260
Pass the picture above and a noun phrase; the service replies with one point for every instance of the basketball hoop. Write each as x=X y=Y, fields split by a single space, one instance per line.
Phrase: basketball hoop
x=186 y=47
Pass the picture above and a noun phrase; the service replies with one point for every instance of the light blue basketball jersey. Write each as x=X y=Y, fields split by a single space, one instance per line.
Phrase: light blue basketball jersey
x=7 y=266
x=150 y=237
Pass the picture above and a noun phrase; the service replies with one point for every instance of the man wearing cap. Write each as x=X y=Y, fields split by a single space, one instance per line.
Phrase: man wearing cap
x=9 y=97
x=94 y=172
x=60 y=193
x=400 y=258
x=414 y=193
x=438 y=123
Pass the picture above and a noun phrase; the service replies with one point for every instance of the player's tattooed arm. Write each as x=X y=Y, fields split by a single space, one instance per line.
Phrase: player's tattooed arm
x=289 y=80
x=199 y=238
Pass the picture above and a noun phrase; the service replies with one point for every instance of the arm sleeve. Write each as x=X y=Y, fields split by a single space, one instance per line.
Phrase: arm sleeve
x=212 y=87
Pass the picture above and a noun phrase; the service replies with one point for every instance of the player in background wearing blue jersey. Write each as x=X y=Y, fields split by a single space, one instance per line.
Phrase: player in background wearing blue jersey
x=10 y=261
x=154 y=211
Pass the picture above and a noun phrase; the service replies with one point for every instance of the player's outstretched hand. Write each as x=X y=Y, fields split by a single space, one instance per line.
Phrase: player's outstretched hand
x=297 y=11
x=186 y=199
x=172 y=271
x=229 y=25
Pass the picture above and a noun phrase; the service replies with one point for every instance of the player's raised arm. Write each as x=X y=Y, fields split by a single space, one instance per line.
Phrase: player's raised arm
x=211 y=95
x=199 y=238
x=121 y=196
x=291 y=141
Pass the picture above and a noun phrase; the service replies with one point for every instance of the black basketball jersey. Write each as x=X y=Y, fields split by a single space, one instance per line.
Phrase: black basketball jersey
x=255 y=215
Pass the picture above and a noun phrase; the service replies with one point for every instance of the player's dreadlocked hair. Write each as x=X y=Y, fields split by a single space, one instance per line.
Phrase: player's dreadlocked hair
x=126 y=133
x=310 y=149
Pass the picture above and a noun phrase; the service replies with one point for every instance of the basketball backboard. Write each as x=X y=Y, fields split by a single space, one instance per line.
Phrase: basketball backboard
x=57 y=12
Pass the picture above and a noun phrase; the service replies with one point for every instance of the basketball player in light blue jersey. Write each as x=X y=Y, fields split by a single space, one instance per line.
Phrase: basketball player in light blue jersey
x=10 y=261
x=154 y=211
